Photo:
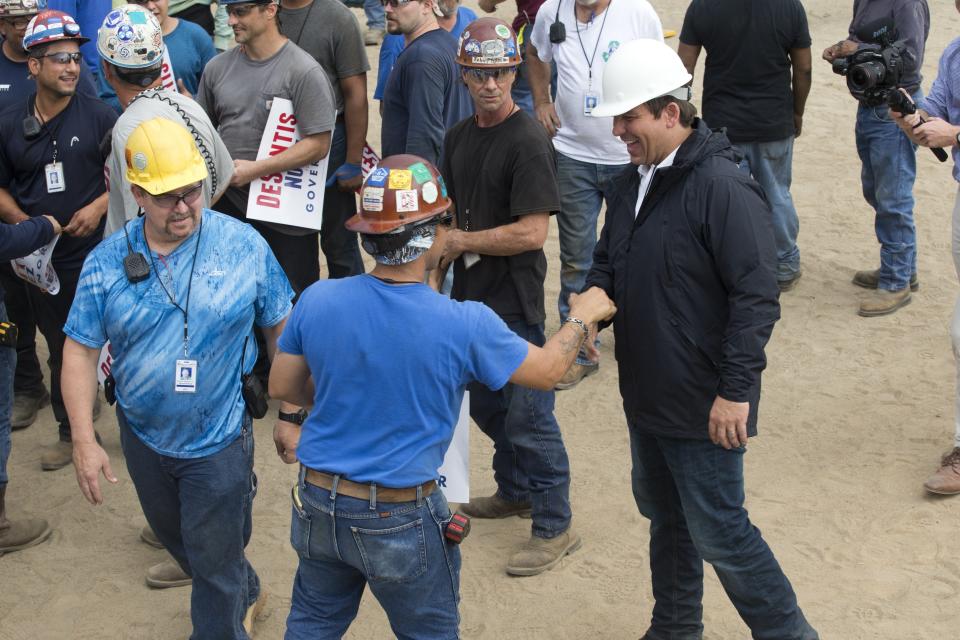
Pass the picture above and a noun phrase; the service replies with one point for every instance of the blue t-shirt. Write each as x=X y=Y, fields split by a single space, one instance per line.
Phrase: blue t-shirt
x=392 y=45
x=389 y=382
x=424 y=97
x=190 y=50
x=237 y=281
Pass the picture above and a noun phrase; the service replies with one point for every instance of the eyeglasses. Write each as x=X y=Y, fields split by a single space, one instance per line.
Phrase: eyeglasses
x=19 y=22
x=481 y=75
x=171 y=200
x=395 y=3
x=240 y=10
x=63 y=57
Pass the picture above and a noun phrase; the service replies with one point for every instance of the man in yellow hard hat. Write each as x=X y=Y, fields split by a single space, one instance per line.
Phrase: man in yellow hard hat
x=177 y=292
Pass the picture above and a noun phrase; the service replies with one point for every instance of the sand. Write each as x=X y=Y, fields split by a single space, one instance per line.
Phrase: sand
x=855 y=414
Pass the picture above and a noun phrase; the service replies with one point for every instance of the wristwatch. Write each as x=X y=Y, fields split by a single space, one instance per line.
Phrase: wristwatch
x=580 y=323
x=296 y=418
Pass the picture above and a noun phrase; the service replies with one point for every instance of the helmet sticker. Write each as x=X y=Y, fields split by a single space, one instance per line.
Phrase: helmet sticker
x=372 y=199
x=429 y=192
x=464 y=35
x=113 y=19
x=407 y=200
x=71 y=29
x=140 y=161
x=420 y=173
x=125 y=33
x=400 y=179
x=486 y=60
x=473 y=47
x=138 y=17
x=378 y=178
x=502 y=31
x=509 y=47
x=443 y=186
x=123 y=52
x=492 y=48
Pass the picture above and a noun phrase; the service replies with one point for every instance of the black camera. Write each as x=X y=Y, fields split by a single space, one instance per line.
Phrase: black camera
x=875 y=70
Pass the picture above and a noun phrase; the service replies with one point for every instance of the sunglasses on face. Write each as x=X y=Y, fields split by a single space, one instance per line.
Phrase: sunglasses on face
x=393 y=4
x=239 y=10
x=63 y=57
x=171 y=200
x=481 y=75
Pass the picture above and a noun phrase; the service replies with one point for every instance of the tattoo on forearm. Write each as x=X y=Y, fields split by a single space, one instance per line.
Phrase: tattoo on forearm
x=570 y=343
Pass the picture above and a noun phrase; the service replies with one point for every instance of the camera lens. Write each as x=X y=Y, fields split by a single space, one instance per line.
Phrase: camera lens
x=865 y=75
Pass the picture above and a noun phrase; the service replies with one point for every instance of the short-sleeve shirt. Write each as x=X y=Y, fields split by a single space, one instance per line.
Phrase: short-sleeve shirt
x=389 y=383
x=157 y=104
x=583 y=137
x=190 y=50
x=16 y=83
x=332 y=38
x=237 y=93
x=495 y=175
x=236 y=282
x=758 y=75
x=78 y=129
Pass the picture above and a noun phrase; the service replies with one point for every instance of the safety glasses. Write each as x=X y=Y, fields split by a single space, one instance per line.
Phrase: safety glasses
x=481 y=75
x=63 y=57
x=393 y=4
x=240 y=10
x=171 y=200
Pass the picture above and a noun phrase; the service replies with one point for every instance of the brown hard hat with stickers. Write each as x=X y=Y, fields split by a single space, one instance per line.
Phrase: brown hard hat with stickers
x=401 y=190
x=488 y=42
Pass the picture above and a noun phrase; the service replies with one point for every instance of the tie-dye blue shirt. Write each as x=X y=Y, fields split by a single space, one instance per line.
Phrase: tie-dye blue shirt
x=237 y=281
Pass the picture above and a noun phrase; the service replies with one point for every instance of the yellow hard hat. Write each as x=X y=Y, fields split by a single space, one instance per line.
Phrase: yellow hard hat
x=161 y=156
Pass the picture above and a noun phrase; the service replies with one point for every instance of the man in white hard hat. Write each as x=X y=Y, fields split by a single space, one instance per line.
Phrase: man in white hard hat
x=687 y=254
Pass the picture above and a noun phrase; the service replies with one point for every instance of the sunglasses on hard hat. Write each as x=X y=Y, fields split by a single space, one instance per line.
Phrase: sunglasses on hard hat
x=481 y=75
x=63 y=57
x=171 y=200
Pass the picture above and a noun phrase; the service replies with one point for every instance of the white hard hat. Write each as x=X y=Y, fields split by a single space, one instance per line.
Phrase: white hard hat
x=638 y=71
x=130 y=37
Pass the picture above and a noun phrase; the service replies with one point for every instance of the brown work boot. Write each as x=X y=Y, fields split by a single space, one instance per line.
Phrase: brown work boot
x=20 y=534
x=373 y=37
x=575 y=374
x=542 y=554
x=149 y=537
x=25 y=409
x=253 y=611
x=946 y=481
x=870 y=280
x=167 y=574
x=494 y=507
x=56 y=456
x=881 y=302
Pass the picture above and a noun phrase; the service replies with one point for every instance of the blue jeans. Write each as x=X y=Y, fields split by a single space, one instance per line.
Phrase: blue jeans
x=771 y=164
x=521 y=91
x=397 y=548
x=583 y=188
x=692 y=493
x=338 y=243
x=8 y=362
x=889 y=170
x=529 y=460
x=376 y=14
x=201 y=510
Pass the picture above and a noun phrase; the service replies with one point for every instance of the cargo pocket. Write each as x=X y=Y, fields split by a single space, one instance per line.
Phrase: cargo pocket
x=397 y=554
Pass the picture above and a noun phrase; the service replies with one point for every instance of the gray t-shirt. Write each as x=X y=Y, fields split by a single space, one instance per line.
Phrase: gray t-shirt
x=156 y=103
x=328 y=31
x=237 y=93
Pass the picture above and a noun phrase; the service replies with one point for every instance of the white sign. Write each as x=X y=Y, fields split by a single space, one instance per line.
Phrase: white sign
x=104 y=363
x=454 y=473
x=369 y=160
x=167 y=79
x=293 y=197
x=37 y=270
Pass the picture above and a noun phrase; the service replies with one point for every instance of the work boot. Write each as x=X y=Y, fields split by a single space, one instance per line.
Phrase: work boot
x=790 y=283
x=59 y=455
x=575 y=374
x=253 y=611
x=870 y=280
x=542 y=554
x=167 y=574
x=494 y=507
x=148 y=536
x=25 y=408
x=373 y=37
x=20 y=534
x=881 y=302
x=946 y=481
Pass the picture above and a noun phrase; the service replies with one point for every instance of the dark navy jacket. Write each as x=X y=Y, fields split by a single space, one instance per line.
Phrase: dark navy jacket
x=18 y=240
x=694 y=281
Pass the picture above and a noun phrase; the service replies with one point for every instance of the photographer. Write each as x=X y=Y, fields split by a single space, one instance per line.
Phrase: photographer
x=940 y=109
x=888 y=156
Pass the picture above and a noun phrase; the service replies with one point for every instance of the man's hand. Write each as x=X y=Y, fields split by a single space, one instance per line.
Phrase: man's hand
x=286 y=437
x=728 y=423
x=89 y=459
x=244 y=172
x=797 y=124
x=936 y=132
x=592 y=306
x=489 y=6
x=547 y=115
x=348 y=177
x=842 y=49
x=453 y=248
x=84 y=222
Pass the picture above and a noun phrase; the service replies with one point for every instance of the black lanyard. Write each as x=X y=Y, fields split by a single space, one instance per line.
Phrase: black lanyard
x=184 y=310
x=593 y=56
x=43 y=123
x=306 y=19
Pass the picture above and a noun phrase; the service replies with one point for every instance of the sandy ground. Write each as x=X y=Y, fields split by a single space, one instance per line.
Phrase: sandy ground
x=854 y=415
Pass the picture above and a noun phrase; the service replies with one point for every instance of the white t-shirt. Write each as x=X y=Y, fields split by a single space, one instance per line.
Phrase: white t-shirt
x=583 y=137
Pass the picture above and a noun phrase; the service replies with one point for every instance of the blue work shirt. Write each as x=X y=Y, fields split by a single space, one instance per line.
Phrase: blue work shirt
x=236 y=282
x=943 y=101
x=389 y=383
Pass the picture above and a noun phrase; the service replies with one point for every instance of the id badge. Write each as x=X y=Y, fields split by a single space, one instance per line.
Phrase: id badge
x=55 y=180
x=590 y=102
x=185 y=378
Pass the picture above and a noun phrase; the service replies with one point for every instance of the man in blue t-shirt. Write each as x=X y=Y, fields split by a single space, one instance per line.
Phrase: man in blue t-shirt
x=424 y=95
x=386 y=389
x=176 y=293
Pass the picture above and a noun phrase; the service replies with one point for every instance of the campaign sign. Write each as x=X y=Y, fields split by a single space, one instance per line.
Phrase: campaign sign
x=104 y=363
x=454 y=473
x=37 y=270
x=167 y=79
x=293 y=197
